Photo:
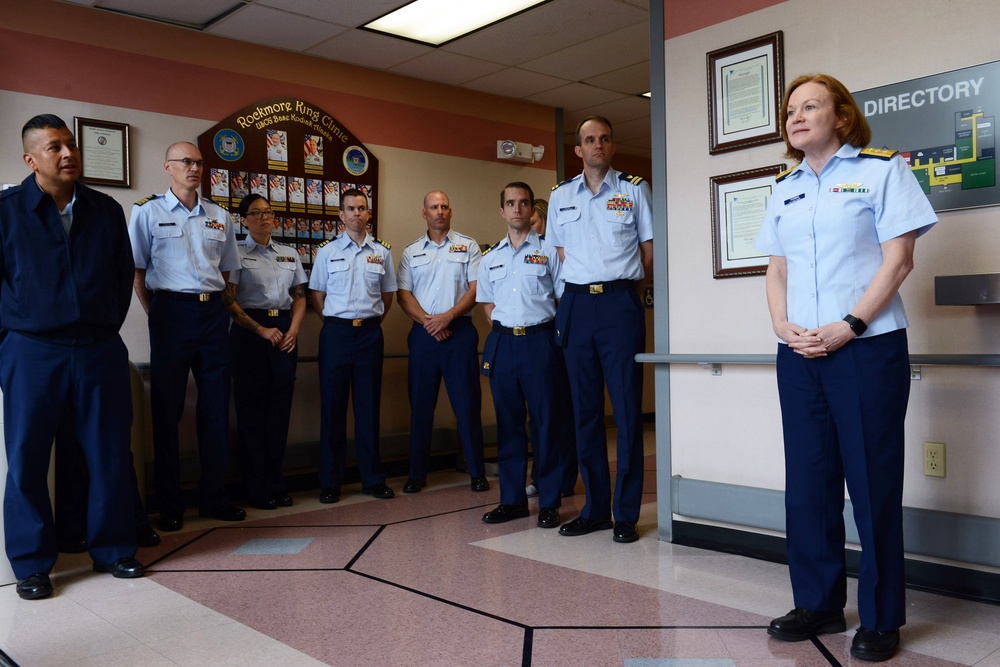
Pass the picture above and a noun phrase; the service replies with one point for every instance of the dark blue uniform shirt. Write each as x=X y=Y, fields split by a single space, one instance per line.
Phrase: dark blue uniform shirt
x=89 y=275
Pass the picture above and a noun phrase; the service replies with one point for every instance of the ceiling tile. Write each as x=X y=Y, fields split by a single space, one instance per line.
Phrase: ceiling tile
x=575 y=96
x=275 y=27
x=446 y=67
x=192 y=12
x=617 y=111
x=616 y=50
x=348 y=13
x=631 y=80
x=368 y=49
x=516 y=83
x=545 y=29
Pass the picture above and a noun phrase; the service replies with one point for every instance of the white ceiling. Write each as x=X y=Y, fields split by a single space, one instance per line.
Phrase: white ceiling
x=586 y=56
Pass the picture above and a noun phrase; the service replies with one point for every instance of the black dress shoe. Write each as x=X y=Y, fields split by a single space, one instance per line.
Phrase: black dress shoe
x=479 y=484
x=379 y=491
x=874 y=646
x=284 y=500
x=264 y=504
x=625 y=531
x=123 y=568
x=145 y=536
x=414 y=485
x=548 y=517
x=34 y=587
x=801 y=624
x=171 y=522
x=224 y=513
x=329 y=495
x=580 y=526
x=72 y=545
x=503 y=513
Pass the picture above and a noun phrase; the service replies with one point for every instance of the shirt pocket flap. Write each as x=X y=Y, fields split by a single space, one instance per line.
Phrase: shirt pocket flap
x=215 y=234
x=169 y=230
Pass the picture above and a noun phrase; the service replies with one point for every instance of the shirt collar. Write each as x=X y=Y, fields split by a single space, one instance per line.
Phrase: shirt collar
x=345 y=241
x=251 y=243
x=34 y=194
x=173 y=202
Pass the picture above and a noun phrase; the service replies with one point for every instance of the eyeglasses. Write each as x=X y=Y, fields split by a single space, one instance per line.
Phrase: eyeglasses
x=261 y=214
x=188 y=162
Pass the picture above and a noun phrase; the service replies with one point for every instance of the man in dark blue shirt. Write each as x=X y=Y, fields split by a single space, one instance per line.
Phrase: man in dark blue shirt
x=65 y=287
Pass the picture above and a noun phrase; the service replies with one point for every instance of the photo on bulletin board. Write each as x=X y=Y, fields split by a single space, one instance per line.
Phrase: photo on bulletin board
x=256 y=149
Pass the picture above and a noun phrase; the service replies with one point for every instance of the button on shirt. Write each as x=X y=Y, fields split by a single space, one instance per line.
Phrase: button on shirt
x=354 y=278
x=829 y=229
x=522 y=284
x=600 y=234
x=439 y=275
x=182 y=250
x=266 y=274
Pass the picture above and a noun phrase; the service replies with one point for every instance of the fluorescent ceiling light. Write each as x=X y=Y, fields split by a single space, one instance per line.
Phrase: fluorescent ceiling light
x=435 y=22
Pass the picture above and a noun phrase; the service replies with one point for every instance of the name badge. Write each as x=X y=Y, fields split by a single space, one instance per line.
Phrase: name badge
x=795 y=198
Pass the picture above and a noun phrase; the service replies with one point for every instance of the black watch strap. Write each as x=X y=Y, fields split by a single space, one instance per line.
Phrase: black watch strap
x=857 y=325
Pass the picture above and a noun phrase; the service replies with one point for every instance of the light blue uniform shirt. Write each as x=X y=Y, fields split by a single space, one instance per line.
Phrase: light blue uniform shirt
x=440 y=275
x=829 y=229
x=600 y=234
x=181 y=250
x=522 y=284
x=266 y=274
x=354 y=278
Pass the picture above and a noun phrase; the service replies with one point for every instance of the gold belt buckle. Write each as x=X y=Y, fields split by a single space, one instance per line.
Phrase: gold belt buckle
x=204 y=297
x=273 y=312
x=357 y=323
x=519 y=331
x=597 y=289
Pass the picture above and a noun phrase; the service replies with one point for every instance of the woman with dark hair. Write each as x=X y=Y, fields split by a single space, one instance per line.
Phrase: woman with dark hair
x=840 y=229
x=266 y=299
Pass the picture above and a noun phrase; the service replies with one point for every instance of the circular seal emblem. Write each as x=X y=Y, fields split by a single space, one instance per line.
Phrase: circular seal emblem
x=228 y=145
x=102 y=140
x=355 y=160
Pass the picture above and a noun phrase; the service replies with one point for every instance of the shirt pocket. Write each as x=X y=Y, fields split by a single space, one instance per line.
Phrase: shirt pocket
x=168 y=240
x=535 y=281
x=373 y=277
x=338 y=277
x=250 y=263
x=214 y=240
x=618 y=229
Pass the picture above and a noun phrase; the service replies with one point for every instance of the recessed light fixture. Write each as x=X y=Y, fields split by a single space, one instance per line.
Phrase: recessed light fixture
x=436 y=22
x=649 y=95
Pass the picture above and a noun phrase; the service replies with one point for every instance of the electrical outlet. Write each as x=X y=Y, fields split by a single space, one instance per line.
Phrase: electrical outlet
x=934 y=459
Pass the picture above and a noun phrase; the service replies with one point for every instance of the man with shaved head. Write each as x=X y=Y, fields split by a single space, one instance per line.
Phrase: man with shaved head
x=65 y=288
x=436 y=284
x=184 y=247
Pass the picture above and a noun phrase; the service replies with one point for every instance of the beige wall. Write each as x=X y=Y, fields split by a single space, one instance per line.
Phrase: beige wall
x=727 y=428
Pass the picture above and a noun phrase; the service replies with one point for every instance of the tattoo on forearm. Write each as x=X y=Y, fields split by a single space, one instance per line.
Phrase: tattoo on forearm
x=297 y=292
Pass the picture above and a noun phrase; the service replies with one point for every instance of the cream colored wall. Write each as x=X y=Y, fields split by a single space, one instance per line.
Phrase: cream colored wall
x=405 y=176
x=727 y=428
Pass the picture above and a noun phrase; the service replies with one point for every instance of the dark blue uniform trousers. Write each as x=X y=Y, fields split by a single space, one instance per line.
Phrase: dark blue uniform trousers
x=263 y=380
x=72 y=486
x=189 y=336
x=842 y=417
x=456 y=359
x=564 y=439
x=350 y=362
x=44 y=383
x=601 y=334
x=524 y=371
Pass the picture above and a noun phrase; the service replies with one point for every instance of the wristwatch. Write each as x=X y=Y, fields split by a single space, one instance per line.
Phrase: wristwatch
x=857 y=325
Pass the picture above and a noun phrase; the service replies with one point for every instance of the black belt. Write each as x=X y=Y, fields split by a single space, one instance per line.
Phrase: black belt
x=523 y=331
x=366 y=322
x=601 y=288
x=266 y=312
x=188 y=296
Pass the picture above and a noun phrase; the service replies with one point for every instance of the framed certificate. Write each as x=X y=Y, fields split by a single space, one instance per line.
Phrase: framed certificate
x=745 y=83
x=104 y=151
x=738 y=203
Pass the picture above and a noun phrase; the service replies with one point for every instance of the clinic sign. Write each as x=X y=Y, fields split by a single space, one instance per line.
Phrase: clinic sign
x=296 y=155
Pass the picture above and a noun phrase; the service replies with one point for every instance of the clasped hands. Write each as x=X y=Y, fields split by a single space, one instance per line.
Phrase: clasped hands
x=818 y=342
